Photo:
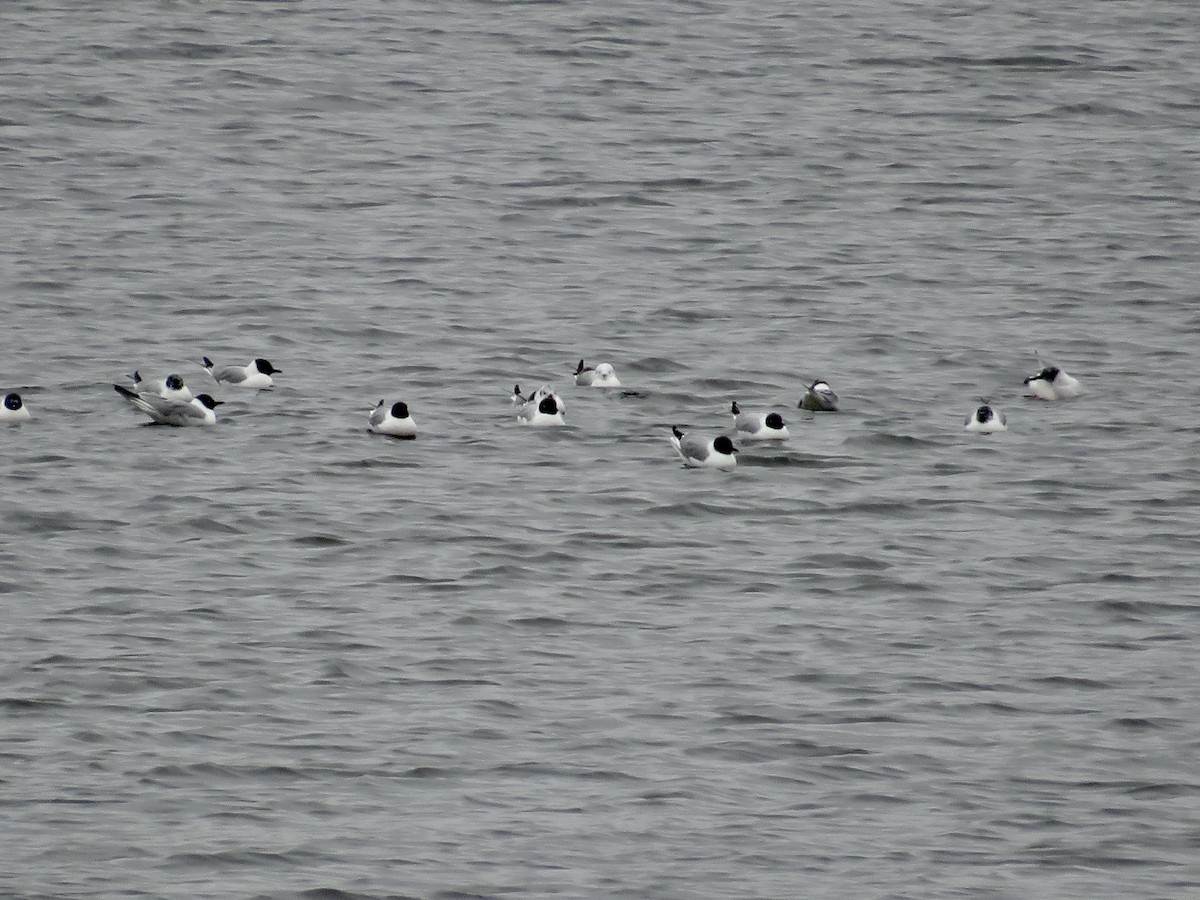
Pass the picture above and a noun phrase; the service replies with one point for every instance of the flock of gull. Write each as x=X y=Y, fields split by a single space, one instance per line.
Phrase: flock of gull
x=170 y=402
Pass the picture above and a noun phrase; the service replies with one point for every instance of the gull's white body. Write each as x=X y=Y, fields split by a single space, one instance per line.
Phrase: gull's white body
x=602 y=376
x=544 y=408
x=394 y=421
x=759 y=426
x=1052 y=383
x=170 y=388
x=197 y=411
x=986 y=420
x=256 y=374
x=14 y=411
x=697 y=453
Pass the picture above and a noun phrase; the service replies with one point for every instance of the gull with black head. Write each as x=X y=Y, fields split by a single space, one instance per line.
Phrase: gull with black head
x=697 y=453
x=256 y=374
x=758 y=426
x=543 y=408
x=180 y=413
x=171 y=387
x=986 y=420
x=14 y=411
x=395 y=421
x=1052 y=383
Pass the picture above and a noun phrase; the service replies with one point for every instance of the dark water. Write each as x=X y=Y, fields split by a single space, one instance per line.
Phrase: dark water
x=282 y=657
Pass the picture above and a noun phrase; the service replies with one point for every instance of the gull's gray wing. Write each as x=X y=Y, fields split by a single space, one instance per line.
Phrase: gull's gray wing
x=819 y=400
x=693 y=448
x=162 y=410
x=749 y=422
x=170 y=412
x=231 y=374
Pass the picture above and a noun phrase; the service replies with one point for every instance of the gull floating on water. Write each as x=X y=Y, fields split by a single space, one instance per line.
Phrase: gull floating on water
x=257 y=374
x=1052 y=383
x=395 y=421
x=542 y=408
x=698 y=453
x=819 y=398
x=171 y=387
x=986 y=420
x=602 y=376
x=759 y=426
x=197 y=411
x=13 y=411
x=519 y=399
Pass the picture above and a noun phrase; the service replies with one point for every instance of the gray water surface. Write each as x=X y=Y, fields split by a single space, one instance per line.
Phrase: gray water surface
x=285 y=657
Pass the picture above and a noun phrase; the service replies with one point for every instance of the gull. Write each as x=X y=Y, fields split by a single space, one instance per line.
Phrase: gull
x=602 y=376
x=697 y=452
x=986 y=420
x=542 y=408
x=171 y=387
x=819 y=397
x=759 y=426
x=1052 y=383
x=197 y=411
x=395 y=422
x=14 y=410
x=257 y=374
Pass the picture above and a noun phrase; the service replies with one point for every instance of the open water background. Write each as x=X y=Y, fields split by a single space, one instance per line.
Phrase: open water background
x=281 y=657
